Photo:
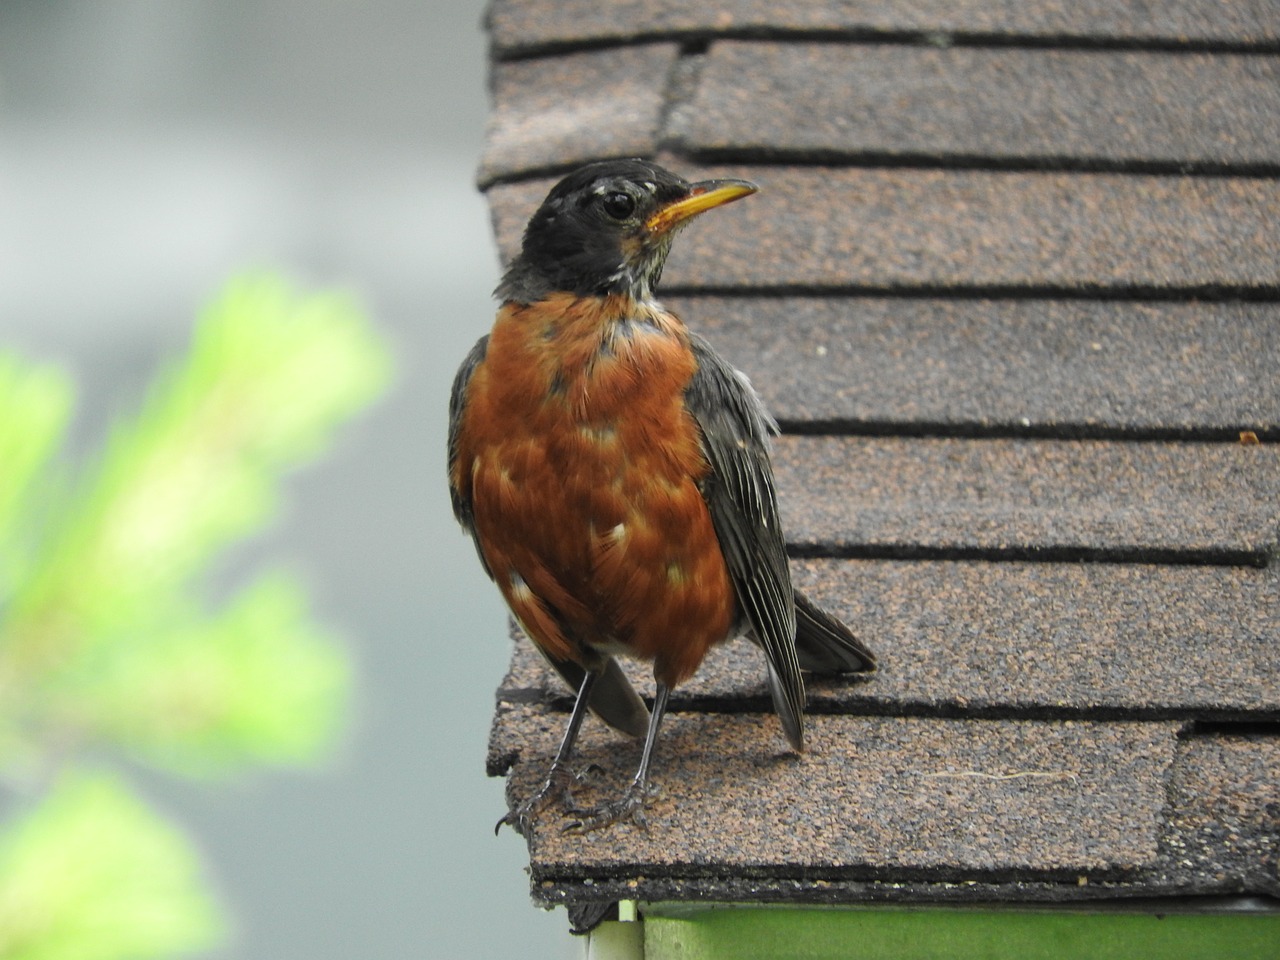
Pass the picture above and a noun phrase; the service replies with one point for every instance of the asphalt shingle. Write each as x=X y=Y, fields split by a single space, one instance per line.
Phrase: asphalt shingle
x=984 y=105
x=928 y=229
x=918 y=795
x=1205 y=501
x=1009 y=639
x=1059 y=367
x=566 y=110
x=1205 y=822
x=518 y=26
x=1224 y=819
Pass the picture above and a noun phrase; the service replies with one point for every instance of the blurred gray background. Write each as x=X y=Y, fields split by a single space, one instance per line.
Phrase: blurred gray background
x=148 y=150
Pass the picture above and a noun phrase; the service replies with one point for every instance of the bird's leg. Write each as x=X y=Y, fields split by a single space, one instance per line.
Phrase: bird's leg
x=560 y=778
x=630 y=806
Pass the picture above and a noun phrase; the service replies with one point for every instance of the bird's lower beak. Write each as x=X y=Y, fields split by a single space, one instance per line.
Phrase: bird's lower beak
x=701 y=196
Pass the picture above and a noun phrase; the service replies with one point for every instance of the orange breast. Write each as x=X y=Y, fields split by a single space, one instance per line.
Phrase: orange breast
x=583 y=471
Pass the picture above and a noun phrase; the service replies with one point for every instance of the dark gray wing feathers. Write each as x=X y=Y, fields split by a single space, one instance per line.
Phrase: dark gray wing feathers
x=460 y=498
x=825 y=645
x=744 y=511
x=613 y=699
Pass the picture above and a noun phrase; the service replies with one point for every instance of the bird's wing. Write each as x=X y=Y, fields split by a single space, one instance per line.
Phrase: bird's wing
x=460 y=474
x=744 y=510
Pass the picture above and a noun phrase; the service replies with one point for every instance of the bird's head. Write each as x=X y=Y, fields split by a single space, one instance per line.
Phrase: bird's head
x=607 y=227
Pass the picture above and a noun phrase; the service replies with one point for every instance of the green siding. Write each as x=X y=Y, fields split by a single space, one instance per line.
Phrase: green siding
x=954 y=934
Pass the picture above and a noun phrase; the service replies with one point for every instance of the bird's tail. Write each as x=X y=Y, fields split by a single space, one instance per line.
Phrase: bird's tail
x=613 y=699
x=825 y=645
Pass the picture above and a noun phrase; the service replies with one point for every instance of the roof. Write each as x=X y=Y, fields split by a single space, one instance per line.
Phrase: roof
x=1011 y=288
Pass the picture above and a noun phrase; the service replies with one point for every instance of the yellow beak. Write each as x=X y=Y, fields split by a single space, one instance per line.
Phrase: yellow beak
x=702 y=196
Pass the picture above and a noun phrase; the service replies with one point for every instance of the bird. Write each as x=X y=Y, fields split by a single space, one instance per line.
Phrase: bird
x=613 y=471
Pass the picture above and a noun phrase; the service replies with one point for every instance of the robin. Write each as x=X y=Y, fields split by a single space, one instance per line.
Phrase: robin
x=614 y=473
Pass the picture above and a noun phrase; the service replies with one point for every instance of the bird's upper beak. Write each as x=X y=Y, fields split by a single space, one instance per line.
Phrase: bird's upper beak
x=701 y=196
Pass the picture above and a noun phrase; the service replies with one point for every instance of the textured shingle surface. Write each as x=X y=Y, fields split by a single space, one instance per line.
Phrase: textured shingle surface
x=1209 y=501
x=869 y=793
x=1012 y=287
x=521 y=25
x=892 y=364
x=1020 y=106
x=1224 y=820
x=1065 y=640
x=899 y=229
x=571 y=109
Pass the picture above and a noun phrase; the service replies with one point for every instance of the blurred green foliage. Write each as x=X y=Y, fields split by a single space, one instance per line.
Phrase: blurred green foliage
x=91 y=872
x=109 y=641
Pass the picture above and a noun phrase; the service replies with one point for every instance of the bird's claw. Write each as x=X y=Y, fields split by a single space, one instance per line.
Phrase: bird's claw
x=630 y=806
x=559 y=784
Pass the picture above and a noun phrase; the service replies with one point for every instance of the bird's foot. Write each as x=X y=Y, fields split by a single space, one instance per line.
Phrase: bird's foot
x=558 y=786
x=630 y=806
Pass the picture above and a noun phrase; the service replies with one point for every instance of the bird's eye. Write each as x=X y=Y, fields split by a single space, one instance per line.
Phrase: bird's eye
x=618 y=205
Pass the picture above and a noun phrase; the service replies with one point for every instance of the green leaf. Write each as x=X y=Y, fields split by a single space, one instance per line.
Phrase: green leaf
x=259 y=683
x=92 y=874
x=270 y=376
x=106 y=639
x=35 y=403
